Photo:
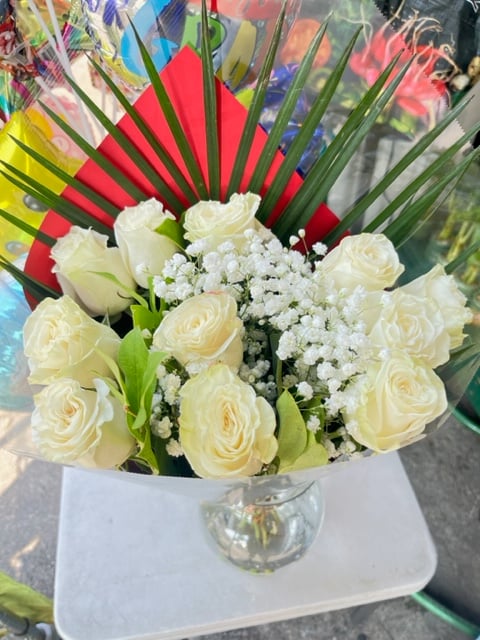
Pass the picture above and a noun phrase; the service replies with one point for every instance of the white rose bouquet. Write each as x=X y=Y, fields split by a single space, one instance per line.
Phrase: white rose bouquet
x=199 y=329
x=244 y=357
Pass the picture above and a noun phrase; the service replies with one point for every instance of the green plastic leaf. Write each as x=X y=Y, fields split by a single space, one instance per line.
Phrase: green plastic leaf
x=23 y=601
x=292 y=433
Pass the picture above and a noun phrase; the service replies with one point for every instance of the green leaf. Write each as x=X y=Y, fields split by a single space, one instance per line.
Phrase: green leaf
x=314 y=455
x=140 y=426
x=297 y=446
x=172 y=119
x=285 y=112
x=149 y=383
x=292 y=433
x=303 y=139
x=148 y=133
x=211 y=109
x=23 y=601
x=147 y=454
x=172 y=230
x=325 y=171
x=403 y=226
x=27 y=228
x=406 y=161
x=69 y=211
x=65 y=177
x=132 y=359
x=138 y=366
x=256 y=106
x=145 y=318
x=129 y=293
x=127 y=146
x=466 y=254
x=415 y=185
x=110 y=169
x=38 y=290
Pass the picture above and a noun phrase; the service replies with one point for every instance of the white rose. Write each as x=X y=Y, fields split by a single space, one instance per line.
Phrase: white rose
x=414 y=325
x=143 y=249
x=400 y=398
x=441 y=288
x=366 y=259
x=61 y=340
x=216 y=222
x=81 y=253
x=204 y=329
x=225 y=429
x=81 y=427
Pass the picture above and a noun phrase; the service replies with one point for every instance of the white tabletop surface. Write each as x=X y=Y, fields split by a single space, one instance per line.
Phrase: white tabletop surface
x=133 y=562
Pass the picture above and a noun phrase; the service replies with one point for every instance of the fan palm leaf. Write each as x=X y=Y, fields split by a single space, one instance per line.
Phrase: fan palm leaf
x=193 y=185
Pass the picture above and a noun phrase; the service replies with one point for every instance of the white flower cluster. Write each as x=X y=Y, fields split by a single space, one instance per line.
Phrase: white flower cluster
x=284 y=300
x=259 y=359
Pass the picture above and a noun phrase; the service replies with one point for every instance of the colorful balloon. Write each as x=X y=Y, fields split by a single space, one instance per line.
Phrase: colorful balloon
x=14 y=242
x=240 y=33
x=15 y=393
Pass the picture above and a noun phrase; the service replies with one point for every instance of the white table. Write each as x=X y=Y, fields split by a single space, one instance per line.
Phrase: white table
x=133 y=561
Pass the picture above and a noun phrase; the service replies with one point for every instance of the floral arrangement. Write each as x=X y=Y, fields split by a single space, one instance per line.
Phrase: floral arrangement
x=245 y=357
x=212 y=320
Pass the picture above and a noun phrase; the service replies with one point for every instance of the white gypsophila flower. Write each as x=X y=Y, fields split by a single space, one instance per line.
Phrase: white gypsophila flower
x=313 y=424
x=305 y=390
x=171 y=384
x=161 y=427
x=319 y=248
x=174 y=448
x=330 y=447
x=322 y=337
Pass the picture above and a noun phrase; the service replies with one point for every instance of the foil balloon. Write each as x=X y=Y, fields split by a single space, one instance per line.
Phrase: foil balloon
x=15 y=394
x=240 y=33
x=158 y=22
x=14 y=242
x=35 y=46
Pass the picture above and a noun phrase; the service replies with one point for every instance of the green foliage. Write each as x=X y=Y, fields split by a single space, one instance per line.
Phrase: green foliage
x=297 y=447
x=138 y=366
x=23 y=601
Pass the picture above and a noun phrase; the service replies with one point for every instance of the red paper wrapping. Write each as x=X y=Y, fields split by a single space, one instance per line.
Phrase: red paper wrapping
x=183 y=81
